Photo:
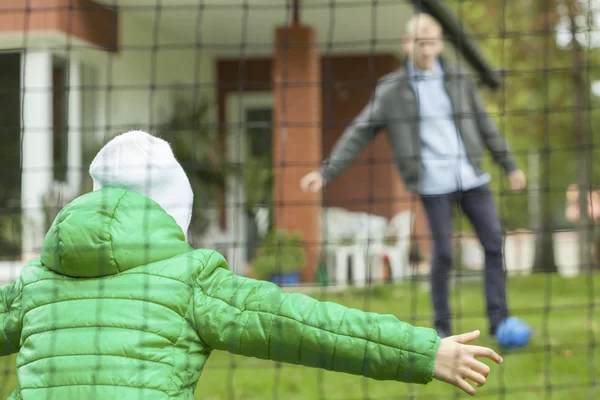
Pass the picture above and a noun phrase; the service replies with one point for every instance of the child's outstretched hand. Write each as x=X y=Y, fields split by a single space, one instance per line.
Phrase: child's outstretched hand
x=456 y=362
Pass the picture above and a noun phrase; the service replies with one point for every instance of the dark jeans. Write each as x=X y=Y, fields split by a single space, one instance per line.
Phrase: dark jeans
x=478 y=205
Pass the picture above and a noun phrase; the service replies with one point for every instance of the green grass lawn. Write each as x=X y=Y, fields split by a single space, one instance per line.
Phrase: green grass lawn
x=560 y=362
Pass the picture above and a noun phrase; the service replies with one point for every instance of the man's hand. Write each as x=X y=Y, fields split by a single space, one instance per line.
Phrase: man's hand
x=517 y=180
x=312 y=182
x=456 y=362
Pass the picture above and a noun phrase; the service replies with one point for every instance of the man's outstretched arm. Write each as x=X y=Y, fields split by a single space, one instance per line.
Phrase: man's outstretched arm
x=495 y=142
x=356 y=137
x=490 y=133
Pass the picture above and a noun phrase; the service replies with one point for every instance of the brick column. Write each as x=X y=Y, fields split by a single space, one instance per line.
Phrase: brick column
x=297 y=136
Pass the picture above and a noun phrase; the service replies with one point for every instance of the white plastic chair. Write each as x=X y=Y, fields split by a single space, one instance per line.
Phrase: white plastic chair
x=356 y=254
x=365 y=230
x=336 y=225
x=400 y=227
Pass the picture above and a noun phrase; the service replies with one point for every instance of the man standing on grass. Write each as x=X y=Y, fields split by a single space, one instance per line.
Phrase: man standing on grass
x=438 y=128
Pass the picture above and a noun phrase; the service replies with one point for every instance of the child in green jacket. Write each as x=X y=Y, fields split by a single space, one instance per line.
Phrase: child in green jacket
x=119 y=306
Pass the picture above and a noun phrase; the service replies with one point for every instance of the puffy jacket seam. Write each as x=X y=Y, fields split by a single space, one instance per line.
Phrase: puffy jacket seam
x=398 y=365
x=95 y=326
x=433 y=348
x=90 y=355
x=274 y=315
x=432 y=359
x=33 y=282
x=204 y=264
x=108 y=277
x=236 y=292
x=183 y=323
x=218 y=320
x=368 y=340
x=158 y=276
x=17 y=393
x=99 y=298
x=95 y=384
x=195 y=323
x=336 y=333
x=59 y=241
x=233 y=296
x=108 y=228
x=312 y=308
x=244 y=322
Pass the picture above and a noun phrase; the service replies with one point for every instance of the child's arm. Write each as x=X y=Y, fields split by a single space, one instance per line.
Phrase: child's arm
x=256 y=319
x=10 y=318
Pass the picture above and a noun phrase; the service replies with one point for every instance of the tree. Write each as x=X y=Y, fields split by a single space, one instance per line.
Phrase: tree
x=544 y=260
x=584 y=160
x=536 y=108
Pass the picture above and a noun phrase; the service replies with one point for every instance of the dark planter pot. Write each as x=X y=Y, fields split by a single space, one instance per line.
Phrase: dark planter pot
x=288 y=279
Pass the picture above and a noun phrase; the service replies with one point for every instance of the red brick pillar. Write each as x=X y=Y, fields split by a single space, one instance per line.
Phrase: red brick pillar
x=297 y=135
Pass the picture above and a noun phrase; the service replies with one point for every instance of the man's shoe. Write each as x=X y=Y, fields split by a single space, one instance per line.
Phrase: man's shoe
x=493 y=329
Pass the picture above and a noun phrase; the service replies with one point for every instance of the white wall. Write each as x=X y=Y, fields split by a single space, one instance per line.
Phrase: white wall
x=36 y=173
x=133 y=102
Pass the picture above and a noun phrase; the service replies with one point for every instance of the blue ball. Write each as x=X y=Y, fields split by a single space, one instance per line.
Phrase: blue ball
x=513 y=333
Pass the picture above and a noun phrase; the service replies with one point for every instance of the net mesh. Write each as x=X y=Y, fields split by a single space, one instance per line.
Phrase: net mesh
x=253 y=95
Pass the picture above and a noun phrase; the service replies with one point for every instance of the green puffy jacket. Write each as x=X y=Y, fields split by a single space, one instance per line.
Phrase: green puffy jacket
x=119 y=306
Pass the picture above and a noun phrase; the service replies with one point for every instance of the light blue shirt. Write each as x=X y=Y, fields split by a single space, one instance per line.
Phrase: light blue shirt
x=446 y=167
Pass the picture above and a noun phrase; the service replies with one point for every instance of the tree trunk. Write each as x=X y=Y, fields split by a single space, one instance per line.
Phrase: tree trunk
x=544 y=227
x=584 y=164
x=540 y=218
x=544 y=243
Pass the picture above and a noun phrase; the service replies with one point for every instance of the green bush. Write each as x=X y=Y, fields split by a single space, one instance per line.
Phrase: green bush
x=199 y=148
x=280 y=252
x=10 y=237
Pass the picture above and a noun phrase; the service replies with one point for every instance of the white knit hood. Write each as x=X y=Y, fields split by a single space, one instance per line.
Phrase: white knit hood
x=145 y=164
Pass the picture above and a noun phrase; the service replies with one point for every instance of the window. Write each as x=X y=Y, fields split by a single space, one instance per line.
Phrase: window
x=258 y=130
x=10 y=155
x=60 y=122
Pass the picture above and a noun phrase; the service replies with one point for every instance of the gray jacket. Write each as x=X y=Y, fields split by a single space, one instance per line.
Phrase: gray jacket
x=394 y=107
